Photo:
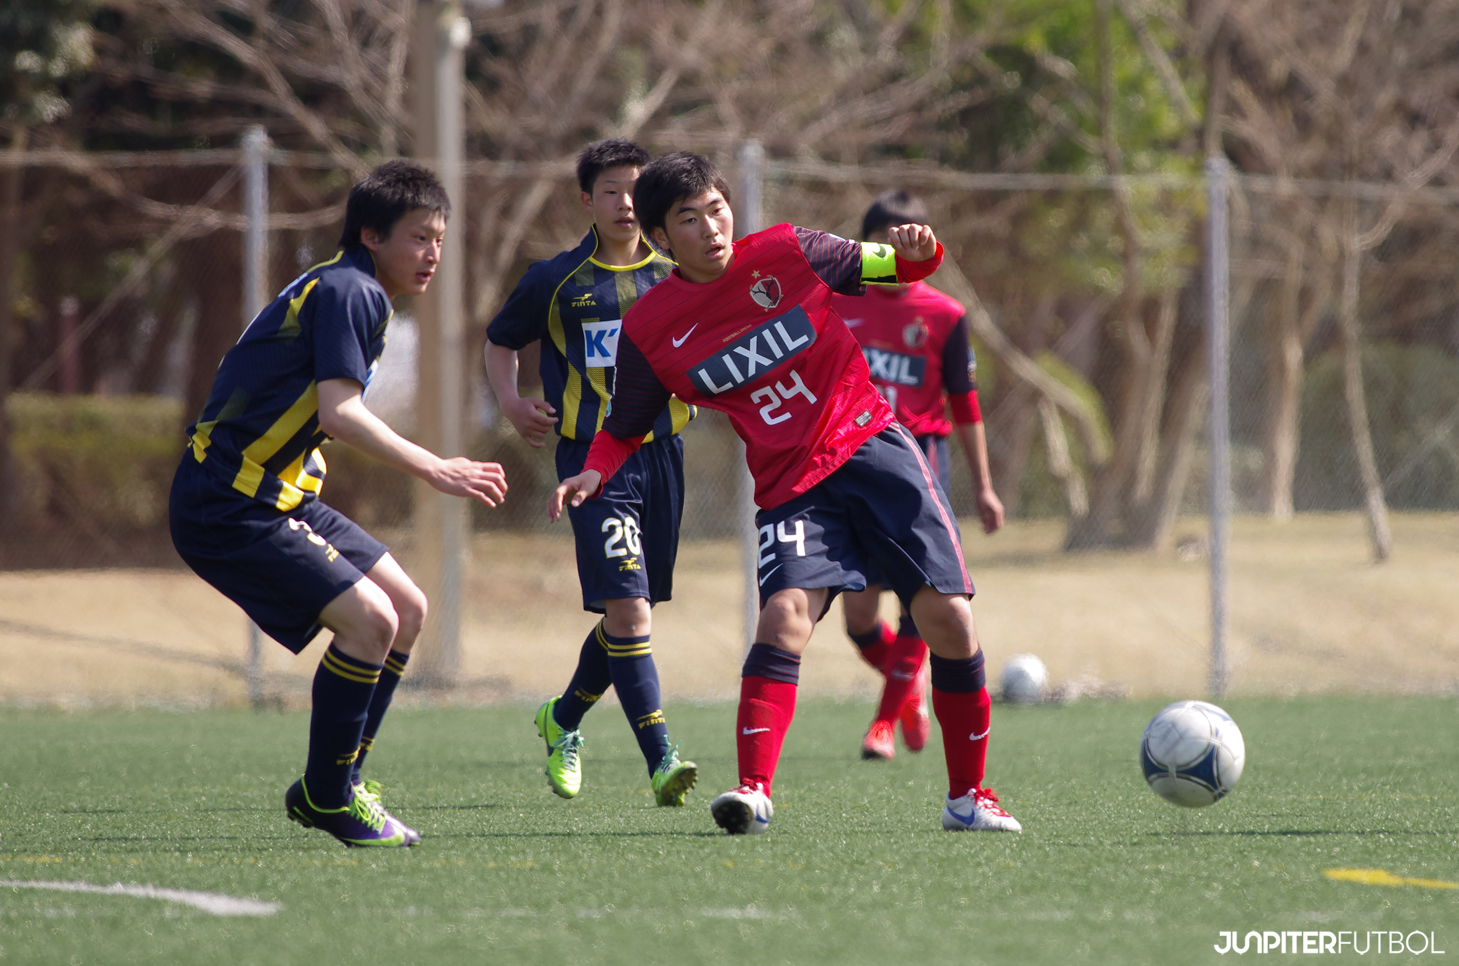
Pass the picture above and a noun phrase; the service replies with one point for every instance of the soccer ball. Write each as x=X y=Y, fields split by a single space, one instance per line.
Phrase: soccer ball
x=1192 y=753
x=1025 y=679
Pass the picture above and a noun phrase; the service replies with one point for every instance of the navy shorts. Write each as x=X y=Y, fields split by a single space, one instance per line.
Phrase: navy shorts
x=628 y=536
x=281 y=567
x=882 y=509
x=934 y=449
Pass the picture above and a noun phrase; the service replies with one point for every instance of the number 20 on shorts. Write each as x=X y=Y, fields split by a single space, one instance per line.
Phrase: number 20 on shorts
x=624 y=531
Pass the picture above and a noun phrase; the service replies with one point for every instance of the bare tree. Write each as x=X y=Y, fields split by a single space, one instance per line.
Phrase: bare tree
x=1346 y=92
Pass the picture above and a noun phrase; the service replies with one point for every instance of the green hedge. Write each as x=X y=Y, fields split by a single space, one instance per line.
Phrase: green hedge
x=1410 y=392
x=99 y=464
x=99 y=468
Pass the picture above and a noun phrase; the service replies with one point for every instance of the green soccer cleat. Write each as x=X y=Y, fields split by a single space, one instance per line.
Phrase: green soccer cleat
x=370 y=789
x=361 y=823
x=673 y=779
x=564 y=766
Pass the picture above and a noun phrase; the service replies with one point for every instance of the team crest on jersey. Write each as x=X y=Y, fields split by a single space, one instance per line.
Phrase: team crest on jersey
x=915 y=335
x=766 y=292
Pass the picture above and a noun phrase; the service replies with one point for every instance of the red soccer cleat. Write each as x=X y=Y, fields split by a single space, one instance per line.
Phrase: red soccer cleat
x=879 y=743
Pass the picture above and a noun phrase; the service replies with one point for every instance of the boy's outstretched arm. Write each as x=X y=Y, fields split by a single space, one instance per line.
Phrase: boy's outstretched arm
x=572 y=492
x=343 y=415
x=532 y=417
x=638 y=398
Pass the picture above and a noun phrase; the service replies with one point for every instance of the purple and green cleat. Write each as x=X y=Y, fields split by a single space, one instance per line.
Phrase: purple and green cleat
x=371 y=789
x=360 y=823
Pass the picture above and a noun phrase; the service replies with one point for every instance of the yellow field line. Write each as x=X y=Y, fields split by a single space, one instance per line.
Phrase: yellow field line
x=1382 y=877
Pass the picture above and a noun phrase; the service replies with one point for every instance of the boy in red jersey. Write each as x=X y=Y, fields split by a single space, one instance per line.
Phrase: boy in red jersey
x=748 y=328
x=915 y=340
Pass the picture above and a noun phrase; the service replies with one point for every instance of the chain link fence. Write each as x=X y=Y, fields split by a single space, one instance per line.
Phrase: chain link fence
x=122 y=284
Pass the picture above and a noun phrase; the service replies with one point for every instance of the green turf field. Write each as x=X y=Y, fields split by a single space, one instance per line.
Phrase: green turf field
x=854 y=870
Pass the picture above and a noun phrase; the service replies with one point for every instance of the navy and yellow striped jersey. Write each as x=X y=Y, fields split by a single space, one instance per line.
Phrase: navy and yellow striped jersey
x=575 y=305
x=259 y=431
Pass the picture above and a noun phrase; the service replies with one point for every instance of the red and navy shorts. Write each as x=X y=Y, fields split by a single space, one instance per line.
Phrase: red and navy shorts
x=628 y=536
x=935 y=451
x=883 y=511
x=282 y=567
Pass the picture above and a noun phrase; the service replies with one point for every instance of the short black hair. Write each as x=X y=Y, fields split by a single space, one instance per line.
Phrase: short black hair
x=599 y=156
x=893 y=208
x=671 y=179
x=388 y=194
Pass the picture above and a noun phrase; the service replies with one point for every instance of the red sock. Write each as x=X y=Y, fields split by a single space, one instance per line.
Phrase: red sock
x=907 y=655
x=964 y=721
x=875 y=645
x=766 y=709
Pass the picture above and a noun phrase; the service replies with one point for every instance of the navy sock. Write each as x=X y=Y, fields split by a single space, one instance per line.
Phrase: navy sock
x=379 y=704
x=958 y=676
x=589 y=681
x=769 y=661
x=343 y=687
x=636 y=679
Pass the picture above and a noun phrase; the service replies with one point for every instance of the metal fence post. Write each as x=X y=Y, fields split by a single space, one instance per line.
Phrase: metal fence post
x=750 y=218
x=442 y=523
x=255 y=297
x=1218 y=171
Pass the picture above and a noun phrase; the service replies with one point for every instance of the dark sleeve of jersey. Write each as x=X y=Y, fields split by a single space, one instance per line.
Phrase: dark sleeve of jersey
x=523 y=319
x=638 y=395
x=957 y=360
x=836 y=260
x=345 y=318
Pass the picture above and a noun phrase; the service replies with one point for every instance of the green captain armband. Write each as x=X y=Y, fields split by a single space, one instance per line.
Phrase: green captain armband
x=878 y=264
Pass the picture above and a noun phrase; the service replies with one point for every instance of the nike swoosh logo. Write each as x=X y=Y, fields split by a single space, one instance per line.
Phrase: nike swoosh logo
x=979 y=737
x=680 y=340
x=853 y=323
x=902 y=675
x=769 y=572
x=752 y=731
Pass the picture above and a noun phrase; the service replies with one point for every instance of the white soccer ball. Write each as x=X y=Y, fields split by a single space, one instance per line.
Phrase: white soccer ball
x=1192 y=753
x=1025 y=679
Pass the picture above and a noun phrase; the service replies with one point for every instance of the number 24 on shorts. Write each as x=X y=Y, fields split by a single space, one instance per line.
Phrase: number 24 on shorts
x=772 y=532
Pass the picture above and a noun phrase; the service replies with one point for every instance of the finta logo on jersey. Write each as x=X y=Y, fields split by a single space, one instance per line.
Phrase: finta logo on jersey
x=600 y=343
x=755 y=353
x=765 y=291
x=894 y=367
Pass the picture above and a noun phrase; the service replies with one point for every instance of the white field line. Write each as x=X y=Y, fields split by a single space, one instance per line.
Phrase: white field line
x=209 y=902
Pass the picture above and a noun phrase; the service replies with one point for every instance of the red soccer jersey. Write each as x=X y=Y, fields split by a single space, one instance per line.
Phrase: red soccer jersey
x=916 y=346
x=763 y=344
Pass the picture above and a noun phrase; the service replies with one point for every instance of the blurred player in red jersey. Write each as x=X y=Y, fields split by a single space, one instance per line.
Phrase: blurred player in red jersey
x=915 y=340
x=747 y=327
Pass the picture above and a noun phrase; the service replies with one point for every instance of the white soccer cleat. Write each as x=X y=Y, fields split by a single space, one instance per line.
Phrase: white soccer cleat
x=743 y=811
x=977 y=811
